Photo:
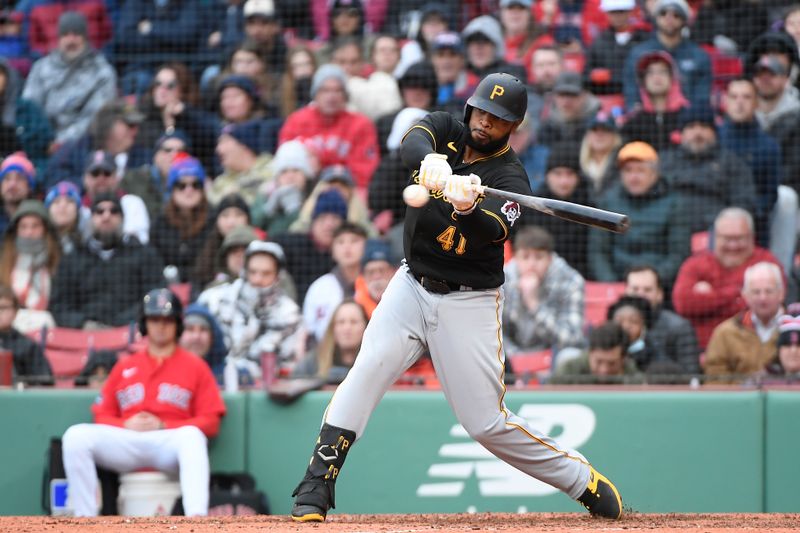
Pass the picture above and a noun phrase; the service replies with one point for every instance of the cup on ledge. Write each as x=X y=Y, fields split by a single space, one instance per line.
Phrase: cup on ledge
x=6 y=368
x=269 y=368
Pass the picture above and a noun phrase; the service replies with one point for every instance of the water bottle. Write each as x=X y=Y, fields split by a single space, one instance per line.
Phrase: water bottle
x=230 y=376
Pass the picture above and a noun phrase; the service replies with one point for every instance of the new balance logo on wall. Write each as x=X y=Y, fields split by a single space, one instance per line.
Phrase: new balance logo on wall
x=467 y=459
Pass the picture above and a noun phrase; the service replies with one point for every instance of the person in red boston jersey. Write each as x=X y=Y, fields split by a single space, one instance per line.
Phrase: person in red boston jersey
x=157 y=410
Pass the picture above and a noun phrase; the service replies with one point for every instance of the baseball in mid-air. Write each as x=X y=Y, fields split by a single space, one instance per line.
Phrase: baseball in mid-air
x=415 y=195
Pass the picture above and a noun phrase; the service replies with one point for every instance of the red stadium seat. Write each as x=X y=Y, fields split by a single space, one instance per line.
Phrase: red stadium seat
x=183 y=291
x=598 y=297
x=700 y=241
x=531 y=362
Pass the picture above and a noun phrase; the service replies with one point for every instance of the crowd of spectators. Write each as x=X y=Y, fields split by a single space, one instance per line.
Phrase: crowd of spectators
x=247 y=150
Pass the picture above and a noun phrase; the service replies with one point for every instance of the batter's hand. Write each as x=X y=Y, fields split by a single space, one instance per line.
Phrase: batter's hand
x=144 y=421
x=462 y=192
x=434 y=171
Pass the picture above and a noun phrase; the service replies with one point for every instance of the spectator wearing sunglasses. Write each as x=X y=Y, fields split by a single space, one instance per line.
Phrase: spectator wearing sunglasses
x=101 y=176
x=172 y=104
x=149 y=181
x=101 y=284
x=181 y=230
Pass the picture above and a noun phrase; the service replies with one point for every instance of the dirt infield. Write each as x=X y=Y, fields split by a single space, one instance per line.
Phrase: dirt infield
x=533 y=522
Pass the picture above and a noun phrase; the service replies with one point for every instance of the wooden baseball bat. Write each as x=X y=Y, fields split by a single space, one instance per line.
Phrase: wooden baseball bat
x=583 y=214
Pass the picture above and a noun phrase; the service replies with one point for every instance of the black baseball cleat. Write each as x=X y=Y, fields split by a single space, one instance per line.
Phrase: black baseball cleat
x=312 y=501
x=601 y=497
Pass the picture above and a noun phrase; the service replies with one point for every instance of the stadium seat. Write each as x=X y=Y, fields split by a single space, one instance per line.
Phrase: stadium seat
x=531 y=363
x=68 y=349
x=700 y=241
x=183 y=291
x=598 y=297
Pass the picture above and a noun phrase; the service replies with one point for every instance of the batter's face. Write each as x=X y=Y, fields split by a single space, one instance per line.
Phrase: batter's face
x=532 y=262
x=161 y=331
x=606 y=362
x=788 y=355
x=645 y=285
x=486 y=128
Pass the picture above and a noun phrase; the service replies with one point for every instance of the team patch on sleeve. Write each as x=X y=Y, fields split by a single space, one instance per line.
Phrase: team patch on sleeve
x=512 y=212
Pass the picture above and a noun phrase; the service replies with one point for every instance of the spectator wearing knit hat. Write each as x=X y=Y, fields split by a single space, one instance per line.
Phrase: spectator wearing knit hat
x=278 y=202
x=308 y=255
x=245 y=167
x=659 y=234
x=231 y=213
x=43 y=34
x=149 y=181
x=785 y=367
x=564 y=181
x=99 y=177
x=486 y=49
x=339 y=178
x=694 y=65
x=336 y=135
x=239 y=101
x=72 y=82
x=63 y=203
x=709 y=176
x=17 y=183
x=418 y=89
x=179 y=233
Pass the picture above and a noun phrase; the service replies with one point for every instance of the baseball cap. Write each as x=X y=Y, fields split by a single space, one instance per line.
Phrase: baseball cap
x=617 y=5
x=336 y=173
x=259 y=8
x=771 y=64
x=100 y=160
x=603 y=120
x=568 y=83
x=448 y=40
x=653 y=57
x=509 y=3
x=637 y=151
x=107 y=197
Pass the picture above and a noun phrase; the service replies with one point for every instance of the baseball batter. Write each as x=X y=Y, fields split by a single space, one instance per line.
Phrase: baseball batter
x=156 y=410
x=448 y=299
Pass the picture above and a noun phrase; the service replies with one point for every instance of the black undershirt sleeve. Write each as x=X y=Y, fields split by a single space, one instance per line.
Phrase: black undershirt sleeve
x=417 y=144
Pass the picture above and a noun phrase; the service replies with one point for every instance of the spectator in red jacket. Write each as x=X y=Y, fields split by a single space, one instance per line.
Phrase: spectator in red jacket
x=709 y=283
x=338 y=136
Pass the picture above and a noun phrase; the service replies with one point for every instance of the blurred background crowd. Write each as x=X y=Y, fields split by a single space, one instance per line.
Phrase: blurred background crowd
x=245 y=153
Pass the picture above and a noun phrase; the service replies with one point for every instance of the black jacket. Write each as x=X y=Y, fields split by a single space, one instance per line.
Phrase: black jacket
x=173 y=249
x=109 y=291
x=30 y=365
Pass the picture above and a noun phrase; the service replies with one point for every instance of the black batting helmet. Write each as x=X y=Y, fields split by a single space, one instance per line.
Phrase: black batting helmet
x=500 y=94
x=161 y=303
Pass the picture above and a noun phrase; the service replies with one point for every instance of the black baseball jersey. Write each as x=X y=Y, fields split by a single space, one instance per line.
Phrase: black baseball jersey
x=465 y=250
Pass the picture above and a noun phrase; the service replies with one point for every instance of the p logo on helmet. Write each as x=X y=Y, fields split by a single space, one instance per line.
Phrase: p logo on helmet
x=497 y=90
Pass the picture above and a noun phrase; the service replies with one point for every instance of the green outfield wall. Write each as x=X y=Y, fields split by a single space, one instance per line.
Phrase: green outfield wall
x=667 y=451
